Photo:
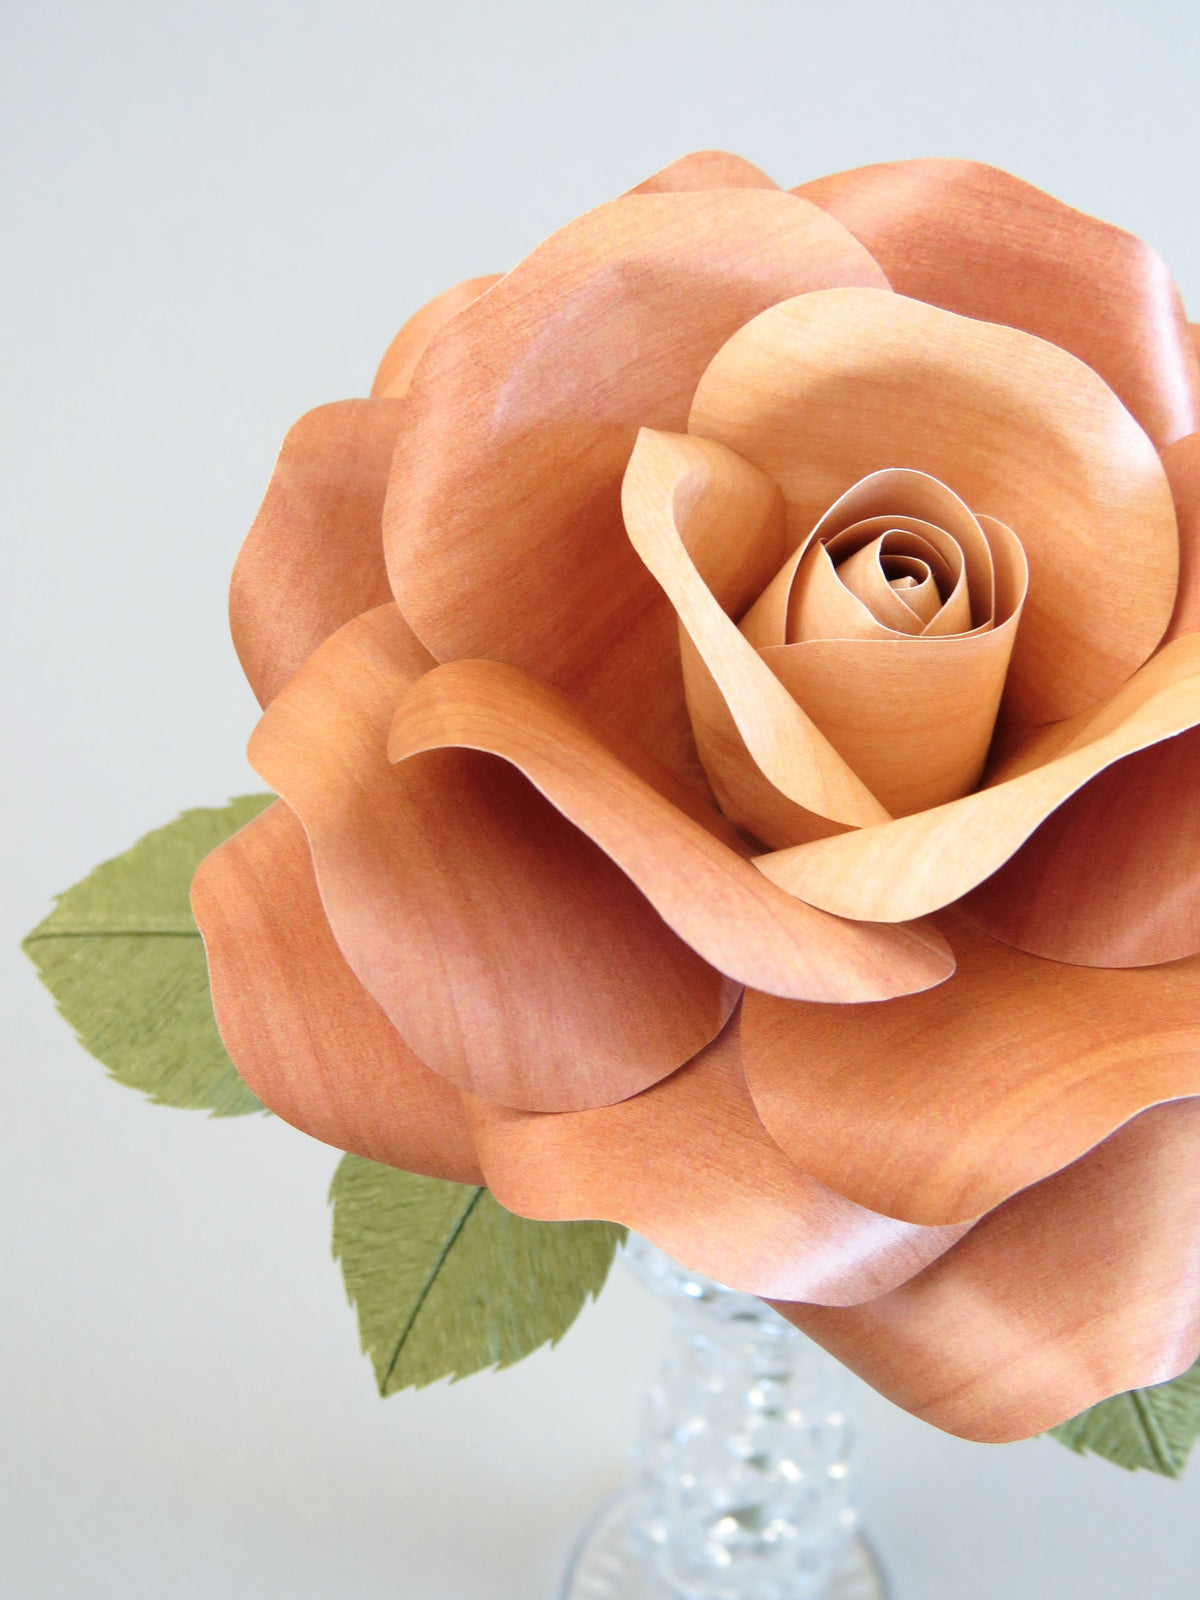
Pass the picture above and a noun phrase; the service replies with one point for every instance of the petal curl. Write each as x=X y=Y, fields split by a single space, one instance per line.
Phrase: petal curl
x=976 y=240
x=823 y=389
x=509 y=951
x=708 y=526
x=301 y=1029
x=910 y=867
x=688 y=1164
x=313 y=558
x=679 y=853
x=406 y=349
x=939 y=1106
x=705 y=169
x=503 y=529
x=1084 y=1286
x=1182 y=463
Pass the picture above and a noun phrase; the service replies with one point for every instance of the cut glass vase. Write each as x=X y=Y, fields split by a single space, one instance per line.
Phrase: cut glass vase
x=740 y=1485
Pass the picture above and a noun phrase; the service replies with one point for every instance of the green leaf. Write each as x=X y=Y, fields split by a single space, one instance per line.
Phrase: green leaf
x=122 y=957
x=446 y=1282
x=1149 y=1428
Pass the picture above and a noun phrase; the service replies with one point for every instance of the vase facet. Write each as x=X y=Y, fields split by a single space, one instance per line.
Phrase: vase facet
x=740 y=1485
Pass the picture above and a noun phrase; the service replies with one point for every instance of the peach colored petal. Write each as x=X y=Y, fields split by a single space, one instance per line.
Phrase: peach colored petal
x=1182 y=463
x=1084 y=1286
x=406 y=349
x=1112 y=878
x=503 y=528
x=302 y=1031
x=509 y=951
x=705 y=169
x=825 y=388
x=976 y=240
x=686 y=861
x=937 y=1107
x=687 y=503
x=688 y=1164
x=313 y=558
x=908 y=868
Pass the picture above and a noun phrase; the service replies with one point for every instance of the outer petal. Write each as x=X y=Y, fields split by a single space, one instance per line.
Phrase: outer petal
x=680 y=854
x=688 y=1164
x=978 y=241
x=406 y=349
x=314 y=556
x=503 y=527
x=937 y=1107
x=1084 y=1286
x=705 y=169
x=826 y=388
x=302 y=1031
x=910 y=867
x=508 y=950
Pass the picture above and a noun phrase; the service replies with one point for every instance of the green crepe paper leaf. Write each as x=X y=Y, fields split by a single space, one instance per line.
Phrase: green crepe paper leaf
x=123 y=959
x=446 y=1282
x=1149 y=1428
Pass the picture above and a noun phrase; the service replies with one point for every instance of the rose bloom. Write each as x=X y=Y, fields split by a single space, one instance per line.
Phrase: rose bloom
x=733 y=693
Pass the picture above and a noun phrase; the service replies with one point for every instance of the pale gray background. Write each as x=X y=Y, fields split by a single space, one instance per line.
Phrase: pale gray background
x=214 y=217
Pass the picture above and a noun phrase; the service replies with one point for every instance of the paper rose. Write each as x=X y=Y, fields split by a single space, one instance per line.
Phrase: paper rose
x=733 y=692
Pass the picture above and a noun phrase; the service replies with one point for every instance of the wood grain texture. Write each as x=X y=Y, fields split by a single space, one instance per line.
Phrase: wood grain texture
x=301 y=1029
x=981 y=242
x=507 y=949
x=705 y=169
x=913 y=866
x=503 y=530
x=686 y=502
x=1182 y=463
x=680 y=854
x=1083 y=1286
x=828 y=387
x=938 y=1107
x=406 y=349
x=688 y=1164
x=313 y=558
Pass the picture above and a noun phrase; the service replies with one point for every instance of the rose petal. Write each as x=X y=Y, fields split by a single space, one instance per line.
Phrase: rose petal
x=314 y=557
x=1112 y=878
x=976 y=240
x=503 y=528
x=688 y=1164
x=677 y=851
x=406 y=349
x=908 y=868
x=687 y=503
x=827 y=387
x=1182 y=463
x=302 y=1031
x=937 y=1107
x=511 y=954
x=705 y=169
x=1081 y=1287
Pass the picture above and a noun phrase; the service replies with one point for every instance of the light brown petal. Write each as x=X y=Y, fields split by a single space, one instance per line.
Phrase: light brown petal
x=705 y=169
x=937 y=1107
x=1112 y=878
x=302 y=1031
x=679 y=853
x=976 y=240
x=687 y=503
x=314 y=557
x=1084 y=1286
x=828 y=387
x=406 y=349
x=503 y=526
x=688 y=1164
x=506 y=948
x=908 y=868
x=1182 y=463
